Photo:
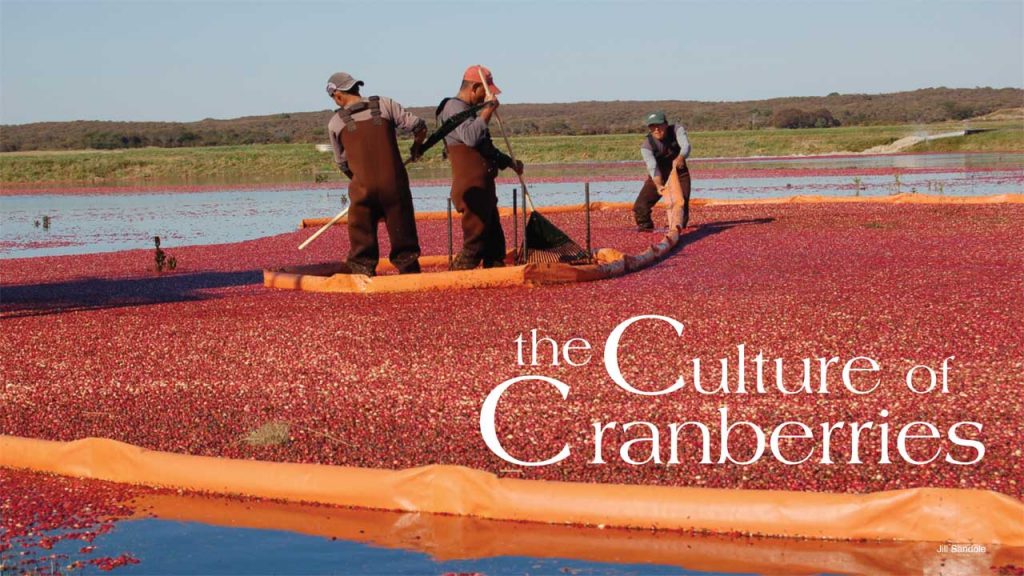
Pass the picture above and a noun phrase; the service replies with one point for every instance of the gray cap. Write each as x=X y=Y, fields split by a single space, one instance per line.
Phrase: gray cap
x=341 y=81
x=655 y=118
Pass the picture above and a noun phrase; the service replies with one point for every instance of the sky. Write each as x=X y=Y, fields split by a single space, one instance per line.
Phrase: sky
x=187 y=60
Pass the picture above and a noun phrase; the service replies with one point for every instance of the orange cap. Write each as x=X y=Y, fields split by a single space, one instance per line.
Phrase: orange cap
x=473 y=75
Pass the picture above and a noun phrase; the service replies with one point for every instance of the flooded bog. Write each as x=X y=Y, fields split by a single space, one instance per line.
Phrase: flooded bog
x=104 y=220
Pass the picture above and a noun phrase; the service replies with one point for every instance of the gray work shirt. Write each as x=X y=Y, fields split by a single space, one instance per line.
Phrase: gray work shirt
x=403 y=120
x=473 y=133
x=648 y=154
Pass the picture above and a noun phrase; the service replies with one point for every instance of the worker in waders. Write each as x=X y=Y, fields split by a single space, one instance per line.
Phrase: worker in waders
x=362 y=133
x=666 y=148
x=475 y=164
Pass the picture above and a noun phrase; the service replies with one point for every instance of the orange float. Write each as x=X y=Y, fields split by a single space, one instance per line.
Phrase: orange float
x=335 y=277
x=919 y=514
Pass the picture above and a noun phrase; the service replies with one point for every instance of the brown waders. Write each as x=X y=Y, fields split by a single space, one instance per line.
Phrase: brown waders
x=649 y=196
x=475 y=197
x=379 y=190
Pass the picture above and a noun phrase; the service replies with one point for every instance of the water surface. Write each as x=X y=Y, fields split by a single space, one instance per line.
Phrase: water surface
x=87 y=223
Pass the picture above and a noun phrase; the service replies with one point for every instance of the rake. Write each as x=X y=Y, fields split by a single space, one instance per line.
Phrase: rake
x=543 y=242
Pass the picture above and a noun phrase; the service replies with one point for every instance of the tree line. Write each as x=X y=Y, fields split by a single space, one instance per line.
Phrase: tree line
x=576 y=118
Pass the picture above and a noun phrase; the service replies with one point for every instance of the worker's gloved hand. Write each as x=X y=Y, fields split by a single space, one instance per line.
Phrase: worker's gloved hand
x=416 y=151
x=518 y=167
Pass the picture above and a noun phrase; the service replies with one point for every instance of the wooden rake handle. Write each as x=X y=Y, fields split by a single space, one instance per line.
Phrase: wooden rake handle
x=508 y=144
x=324 y=228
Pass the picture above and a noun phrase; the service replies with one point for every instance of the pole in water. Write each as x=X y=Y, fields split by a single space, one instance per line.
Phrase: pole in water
x=450 y=234
x=526 y=248
x=586 y=201
x=515 y=226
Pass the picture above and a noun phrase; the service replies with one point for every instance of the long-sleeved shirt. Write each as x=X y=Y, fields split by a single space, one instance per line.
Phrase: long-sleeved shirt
x=473 y=133
x=648 y=155
x=389 y=110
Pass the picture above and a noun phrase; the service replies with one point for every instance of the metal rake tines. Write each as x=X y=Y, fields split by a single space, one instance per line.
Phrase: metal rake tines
x=545 y=242
x=567 y=254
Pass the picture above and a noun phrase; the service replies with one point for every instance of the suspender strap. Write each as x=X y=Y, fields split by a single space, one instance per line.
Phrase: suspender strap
x=440 y=108
x=374 y=105
x=346 y=113
x=673 y=143
x=346 y=119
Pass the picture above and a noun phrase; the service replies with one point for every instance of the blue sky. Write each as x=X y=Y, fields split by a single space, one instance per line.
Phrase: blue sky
x=188 y=60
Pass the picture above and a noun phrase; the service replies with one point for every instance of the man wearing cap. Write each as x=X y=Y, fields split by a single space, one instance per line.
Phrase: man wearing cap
x=475 y=164
x=666 y=148
x=362 y=133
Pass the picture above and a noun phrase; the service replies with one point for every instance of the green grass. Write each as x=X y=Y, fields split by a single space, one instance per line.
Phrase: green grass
x=1003 y=139
x=301 y=162
x=163 y=164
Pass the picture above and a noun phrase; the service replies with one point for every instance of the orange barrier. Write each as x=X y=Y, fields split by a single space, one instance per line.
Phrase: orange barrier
x=333 y=277
x=611 y=263
x=300 y=278
x=904 y=198
x=922 y=514
x=460 y=537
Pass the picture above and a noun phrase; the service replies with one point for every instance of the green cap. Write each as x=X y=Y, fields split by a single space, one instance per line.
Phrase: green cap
x=655 y=118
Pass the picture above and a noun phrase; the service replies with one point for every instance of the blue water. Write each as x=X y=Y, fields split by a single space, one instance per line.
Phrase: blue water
x=111 y=222
x=171 y=547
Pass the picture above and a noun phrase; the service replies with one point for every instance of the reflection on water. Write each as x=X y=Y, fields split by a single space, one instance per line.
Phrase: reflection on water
x=176 y=534
x=171 y=547
x=110 y=222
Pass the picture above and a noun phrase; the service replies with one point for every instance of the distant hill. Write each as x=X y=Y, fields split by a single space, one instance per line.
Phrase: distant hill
x=919 y=106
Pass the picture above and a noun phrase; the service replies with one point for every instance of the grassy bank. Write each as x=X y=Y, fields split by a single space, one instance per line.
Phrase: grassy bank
x=300 y=162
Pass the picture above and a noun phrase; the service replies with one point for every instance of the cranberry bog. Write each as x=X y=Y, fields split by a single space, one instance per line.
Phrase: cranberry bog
x=205 y=361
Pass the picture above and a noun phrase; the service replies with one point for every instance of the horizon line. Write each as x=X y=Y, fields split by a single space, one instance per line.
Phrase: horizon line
x=838 y=94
